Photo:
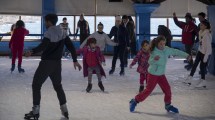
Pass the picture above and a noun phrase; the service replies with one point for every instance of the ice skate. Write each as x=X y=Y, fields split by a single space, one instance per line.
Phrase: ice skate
x=20 y=69
x=12 y=68
x=34 y=114
x=101 y=86
x=132 y=105
x=111 y=71
x=201 y=84
x=64 y=111
x=89 y=87
x=170 y=108
x=188 y=80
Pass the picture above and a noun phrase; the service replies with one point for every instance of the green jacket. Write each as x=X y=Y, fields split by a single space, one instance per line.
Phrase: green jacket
x=158 y=67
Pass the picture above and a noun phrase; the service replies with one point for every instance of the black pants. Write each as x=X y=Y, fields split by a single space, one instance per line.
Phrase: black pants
x=188 y=50
x=118 y=51
x=83 y=37
x=199 y=58
x=133 y=48
x=52 y=69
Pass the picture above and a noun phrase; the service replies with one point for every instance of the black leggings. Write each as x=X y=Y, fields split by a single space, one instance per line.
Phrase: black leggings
x=199 y=58
x=52 y=69
x=119 y=51
x=188 y=49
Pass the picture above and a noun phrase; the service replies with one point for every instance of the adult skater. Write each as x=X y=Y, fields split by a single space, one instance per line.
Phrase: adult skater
x=16 y=44
x=130 y=29
x=142 y=58
x=50 y=65
x=101 y=38
x=189 y=31
x=65 y=26
x=204 y=50
x=92 y=60
x=156 y=73
x=121 y=37
x=83 y=25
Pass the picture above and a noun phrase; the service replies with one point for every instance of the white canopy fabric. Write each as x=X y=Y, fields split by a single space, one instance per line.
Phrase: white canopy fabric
x=21 y=7
x=100 y=7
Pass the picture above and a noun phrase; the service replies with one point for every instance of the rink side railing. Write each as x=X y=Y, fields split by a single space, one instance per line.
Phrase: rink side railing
x=4 y=49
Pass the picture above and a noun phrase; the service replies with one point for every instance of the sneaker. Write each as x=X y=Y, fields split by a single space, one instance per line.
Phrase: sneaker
x=64 y=111
x=188 y=80
x=101 y=86
x=132 y=105
x=170 y=108
x=201 y=84
x=89 y=87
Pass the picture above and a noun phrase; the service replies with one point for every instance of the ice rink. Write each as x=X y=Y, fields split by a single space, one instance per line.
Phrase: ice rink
x=16 y=94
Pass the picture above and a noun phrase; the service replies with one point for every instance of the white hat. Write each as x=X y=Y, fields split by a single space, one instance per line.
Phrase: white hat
x=118 y=17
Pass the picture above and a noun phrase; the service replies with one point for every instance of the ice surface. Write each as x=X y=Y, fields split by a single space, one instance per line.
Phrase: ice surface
x=16 y=94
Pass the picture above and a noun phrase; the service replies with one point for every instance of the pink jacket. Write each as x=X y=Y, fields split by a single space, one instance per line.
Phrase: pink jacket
x=99 y=56
x=142 y=60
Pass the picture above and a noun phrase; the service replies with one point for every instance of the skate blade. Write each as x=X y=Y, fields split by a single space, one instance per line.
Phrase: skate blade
x=200 y=88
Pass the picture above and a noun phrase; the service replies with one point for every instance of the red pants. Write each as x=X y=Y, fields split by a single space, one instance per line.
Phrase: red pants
x=151 y=83
x=17 y=51
x=143 y=77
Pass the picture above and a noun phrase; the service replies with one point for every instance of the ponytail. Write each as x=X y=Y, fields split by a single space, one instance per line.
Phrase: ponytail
x=155 y=41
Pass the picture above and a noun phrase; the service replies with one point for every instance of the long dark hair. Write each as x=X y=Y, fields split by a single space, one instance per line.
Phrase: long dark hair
x=155 y=41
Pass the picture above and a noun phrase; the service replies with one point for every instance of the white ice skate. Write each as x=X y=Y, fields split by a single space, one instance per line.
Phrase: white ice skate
x=188 y=80
x=201 y=84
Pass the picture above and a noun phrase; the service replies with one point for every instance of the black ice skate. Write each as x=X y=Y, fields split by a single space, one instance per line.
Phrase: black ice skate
x=111 y=71
x=101 y=86
x=12 y=68
x=64 y=111
x=89 y=87
x=20 y=69
x=121 y=73
x=31 y=116
x=34 y=114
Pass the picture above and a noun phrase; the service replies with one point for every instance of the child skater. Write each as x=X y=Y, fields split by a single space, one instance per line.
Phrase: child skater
x=204 y=51
x=16 y=45
x=50 y=65
x=142 y=58
x=92 y=60
x=156 y=73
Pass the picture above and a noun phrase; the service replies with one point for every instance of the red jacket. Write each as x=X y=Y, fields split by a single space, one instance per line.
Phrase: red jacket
x=17 y=39
x=90 y=60
x=142 y=60
x=189 y=31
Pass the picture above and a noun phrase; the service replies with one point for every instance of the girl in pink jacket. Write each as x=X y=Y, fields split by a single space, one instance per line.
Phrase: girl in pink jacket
x=142 y=58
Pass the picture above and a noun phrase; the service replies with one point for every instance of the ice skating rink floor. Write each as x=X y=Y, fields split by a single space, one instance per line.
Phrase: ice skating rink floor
x=16 y=94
